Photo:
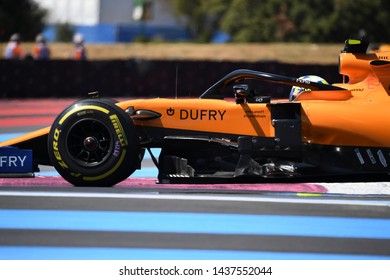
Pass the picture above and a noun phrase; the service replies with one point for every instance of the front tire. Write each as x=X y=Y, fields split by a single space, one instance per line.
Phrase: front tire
x=94 y=143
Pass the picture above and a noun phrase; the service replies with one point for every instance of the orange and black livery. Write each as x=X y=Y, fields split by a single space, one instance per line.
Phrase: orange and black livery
x=328 y=131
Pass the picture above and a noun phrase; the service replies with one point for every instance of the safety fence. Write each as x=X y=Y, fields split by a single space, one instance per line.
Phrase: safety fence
x=136 y=77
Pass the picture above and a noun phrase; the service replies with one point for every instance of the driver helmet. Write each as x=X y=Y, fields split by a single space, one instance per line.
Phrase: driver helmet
x=295 y=90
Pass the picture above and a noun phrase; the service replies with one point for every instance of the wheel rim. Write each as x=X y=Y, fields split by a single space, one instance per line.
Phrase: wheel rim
x=89 y=142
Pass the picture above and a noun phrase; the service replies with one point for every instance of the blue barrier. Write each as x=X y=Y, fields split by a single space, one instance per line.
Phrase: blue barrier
x=113 y=33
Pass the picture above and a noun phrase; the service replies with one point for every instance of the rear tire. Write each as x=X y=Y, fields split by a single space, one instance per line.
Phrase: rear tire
x=94 y=143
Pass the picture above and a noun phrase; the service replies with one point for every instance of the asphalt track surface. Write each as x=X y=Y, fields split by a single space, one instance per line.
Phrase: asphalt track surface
x=46 y=218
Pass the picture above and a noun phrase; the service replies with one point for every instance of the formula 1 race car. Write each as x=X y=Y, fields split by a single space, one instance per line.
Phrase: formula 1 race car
x=321 y=130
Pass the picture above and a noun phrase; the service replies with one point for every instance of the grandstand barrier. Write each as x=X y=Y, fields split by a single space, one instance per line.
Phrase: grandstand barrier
x=123 y=33
x=137 y=78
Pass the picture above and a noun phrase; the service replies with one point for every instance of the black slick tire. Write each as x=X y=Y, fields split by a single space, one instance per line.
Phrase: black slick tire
x=94 y=143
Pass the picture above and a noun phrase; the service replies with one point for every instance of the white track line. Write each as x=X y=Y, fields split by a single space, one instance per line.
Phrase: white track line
x=205 y=197
x=377 y=188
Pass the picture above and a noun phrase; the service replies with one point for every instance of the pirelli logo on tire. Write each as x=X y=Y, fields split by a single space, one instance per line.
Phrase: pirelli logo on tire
x=119 y=130
x=56 y=151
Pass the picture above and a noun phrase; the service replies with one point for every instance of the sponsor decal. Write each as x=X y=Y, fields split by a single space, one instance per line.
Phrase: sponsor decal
x=14 y=160
x=202 y=114
x=254 y=114
x=303 y=81
x=170 y=112
x=56 y=151
x=382 y=158
x=117 y=149
x=359 y=155
x=195 y=114
x=78 y=109
x=119 y=130
x=357 y=89
x=371 y=156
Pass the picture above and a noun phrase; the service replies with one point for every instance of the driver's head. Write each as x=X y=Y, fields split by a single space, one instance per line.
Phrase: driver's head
x=295 y=91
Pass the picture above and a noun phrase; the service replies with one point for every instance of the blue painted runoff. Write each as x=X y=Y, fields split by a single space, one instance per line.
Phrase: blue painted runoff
x=93 y=253
x=206 y=223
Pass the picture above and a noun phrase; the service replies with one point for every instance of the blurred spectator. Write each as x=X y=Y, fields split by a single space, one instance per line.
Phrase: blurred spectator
x=13 y=49
x=41 y=50
x=80 y=53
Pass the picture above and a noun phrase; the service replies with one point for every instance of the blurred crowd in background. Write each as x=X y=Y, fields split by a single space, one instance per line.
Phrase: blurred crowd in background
x=41 y=49
x=205 y=21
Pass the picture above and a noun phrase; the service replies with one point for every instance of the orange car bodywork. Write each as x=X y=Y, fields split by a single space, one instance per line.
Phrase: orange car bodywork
x=354 y=117
x=351 y=117
x=358 y=116
x=206 y=115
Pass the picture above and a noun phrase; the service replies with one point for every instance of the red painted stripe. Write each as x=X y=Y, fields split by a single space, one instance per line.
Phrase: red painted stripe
x=32 y=121
x=150 y=183
x=273 y=187
x=22 y=108
x=21 y=112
